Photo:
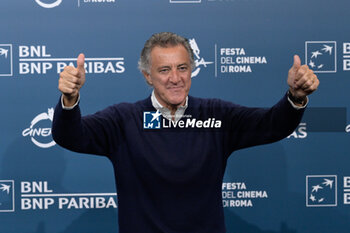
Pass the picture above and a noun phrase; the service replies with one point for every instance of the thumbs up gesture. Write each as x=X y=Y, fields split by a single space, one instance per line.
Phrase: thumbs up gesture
x=71 y=80
x=301 y=80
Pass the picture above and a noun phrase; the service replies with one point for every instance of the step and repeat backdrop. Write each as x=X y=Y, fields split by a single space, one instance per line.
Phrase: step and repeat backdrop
x=243 y=50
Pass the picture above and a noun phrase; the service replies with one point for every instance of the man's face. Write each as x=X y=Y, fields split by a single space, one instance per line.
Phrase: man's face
x=170 y=75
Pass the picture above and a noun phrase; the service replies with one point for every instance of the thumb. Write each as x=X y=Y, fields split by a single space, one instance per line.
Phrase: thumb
x=80 y=63
x=297 y=62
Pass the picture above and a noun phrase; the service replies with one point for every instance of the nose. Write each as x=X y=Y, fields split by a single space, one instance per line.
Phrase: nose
x=175 y=76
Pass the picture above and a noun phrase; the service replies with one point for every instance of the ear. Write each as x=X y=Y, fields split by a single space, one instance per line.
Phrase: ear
x=147 y=77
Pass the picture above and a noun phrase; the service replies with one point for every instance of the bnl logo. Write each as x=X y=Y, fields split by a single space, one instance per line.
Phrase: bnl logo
x=321 y=56
x=151 y=120
x=185 y=1
x=6 y=60
x=321 y=190
x=7 y=197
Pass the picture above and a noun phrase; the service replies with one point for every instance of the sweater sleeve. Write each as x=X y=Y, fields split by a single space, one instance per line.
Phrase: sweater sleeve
x=93 y=134
x=256 y=126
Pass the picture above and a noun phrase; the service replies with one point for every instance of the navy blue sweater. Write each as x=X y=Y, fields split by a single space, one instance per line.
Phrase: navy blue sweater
x=170 y=180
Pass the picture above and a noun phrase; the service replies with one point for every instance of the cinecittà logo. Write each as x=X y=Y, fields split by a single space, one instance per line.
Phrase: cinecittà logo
x=36 y=131
x=48 y=5
x=347 y=129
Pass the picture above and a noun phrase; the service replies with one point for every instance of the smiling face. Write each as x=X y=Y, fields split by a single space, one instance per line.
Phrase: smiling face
x=170 y=75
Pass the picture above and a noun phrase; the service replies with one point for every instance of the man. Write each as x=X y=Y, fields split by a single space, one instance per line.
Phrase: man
x=169 y=179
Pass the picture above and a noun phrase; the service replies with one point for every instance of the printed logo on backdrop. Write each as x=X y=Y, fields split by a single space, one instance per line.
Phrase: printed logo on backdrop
x=95 y=2
x=7 y=197
x=198 y=1
x=230 y=60
x=321 y=56
x=346 y=180
x=39 y=130
x=6 y=60
x=37 y=60
x=54 y=3
x=48 y=3
x=199 y=61
x=346 y=56
x=347 y=129
x=237 y=194
x=39 y=195
x=185 y=1
x=321 y=190
x=300 y=132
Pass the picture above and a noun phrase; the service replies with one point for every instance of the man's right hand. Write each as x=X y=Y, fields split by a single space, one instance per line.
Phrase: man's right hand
x=71 y=80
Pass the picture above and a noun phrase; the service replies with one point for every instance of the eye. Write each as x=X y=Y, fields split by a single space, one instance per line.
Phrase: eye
x=164 y=71
x=183 y=68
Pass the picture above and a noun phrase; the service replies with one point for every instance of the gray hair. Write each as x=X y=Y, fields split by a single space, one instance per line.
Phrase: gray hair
x=164 y=40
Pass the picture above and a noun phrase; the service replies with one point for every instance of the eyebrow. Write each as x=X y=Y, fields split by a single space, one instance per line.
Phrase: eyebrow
x=183 y=64
x=169 y=67
x=162 y=67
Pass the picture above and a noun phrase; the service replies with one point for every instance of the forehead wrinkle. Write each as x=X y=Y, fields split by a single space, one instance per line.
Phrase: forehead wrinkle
x=164 y=57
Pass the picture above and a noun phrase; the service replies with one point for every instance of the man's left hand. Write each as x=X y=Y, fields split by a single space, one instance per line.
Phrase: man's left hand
x=301 y=80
